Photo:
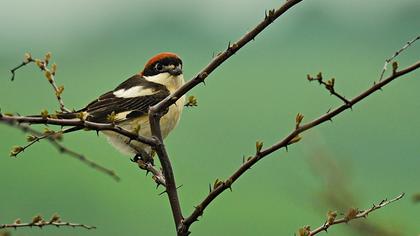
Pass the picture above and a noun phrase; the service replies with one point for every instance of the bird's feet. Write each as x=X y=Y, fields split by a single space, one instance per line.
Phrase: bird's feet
x=143 y=157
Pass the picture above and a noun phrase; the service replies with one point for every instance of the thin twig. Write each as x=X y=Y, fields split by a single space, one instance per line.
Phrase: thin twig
x=389 y=60
x=61 y=148
x=287 y=141
x=34 y=140
x=24 y=63
x=49 y=74
x=329 y=85
x=350 y=217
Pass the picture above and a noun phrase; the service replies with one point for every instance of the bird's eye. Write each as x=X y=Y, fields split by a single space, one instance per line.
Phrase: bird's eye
x=158 y=66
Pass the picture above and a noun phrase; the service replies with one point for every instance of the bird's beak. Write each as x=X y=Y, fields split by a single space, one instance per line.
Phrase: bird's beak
x=175 y=71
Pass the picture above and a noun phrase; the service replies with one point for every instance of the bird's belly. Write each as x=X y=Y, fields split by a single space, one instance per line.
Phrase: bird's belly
x=167 y=123
x=170 y=120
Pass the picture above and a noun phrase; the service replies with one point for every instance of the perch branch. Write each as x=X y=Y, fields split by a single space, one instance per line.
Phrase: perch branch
x=77 y=123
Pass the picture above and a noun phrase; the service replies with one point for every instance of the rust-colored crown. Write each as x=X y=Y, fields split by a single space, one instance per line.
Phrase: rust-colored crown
x=164 y=57
x=159 y=57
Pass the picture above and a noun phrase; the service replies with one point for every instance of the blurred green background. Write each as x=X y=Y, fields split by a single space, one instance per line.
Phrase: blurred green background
x=254 y=96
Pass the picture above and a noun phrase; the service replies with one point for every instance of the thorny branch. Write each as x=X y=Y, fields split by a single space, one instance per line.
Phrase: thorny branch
x=293 y=137
x=38 y=221
x=352 y=214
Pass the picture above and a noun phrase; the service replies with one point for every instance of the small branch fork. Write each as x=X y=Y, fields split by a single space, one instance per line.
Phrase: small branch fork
x=329 y=85
x=396 y=54
x=37 y=221
x=352 y=214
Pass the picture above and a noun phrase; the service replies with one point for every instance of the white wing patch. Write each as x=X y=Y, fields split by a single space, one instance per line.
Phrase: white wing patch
x=122 y=115
x=136 y=91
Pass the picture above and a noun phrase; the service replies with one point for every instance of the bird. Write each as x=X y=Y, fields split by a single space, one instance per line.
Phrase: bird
x=128 y=104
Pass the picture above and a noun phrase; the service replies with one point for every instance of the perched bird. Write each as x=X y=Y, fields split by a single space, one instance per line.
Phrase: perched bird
x=128 y=104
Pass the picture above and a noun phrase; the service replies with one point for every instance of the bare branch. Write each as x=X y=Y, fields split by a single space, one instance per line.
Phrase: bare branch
x=352 y=214
x=389 y=60
x=37 y=221
x=249 y=162
x=61 y=148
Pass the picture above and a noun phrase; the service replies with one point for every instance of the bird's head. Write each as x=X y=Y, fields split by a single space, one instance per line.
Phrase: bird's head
x=165 y=63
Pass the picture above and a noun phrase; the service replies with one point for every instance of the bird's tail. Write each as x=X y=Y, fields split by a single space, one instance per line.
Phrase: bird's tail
x=69 y=115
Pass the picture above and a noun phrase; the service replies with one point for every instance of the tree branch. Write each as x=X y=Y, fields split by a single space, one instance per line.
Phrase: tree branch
x=352 y=214
x=37 y=221
x=61 y=148
x=171 y=189
x=289 y=139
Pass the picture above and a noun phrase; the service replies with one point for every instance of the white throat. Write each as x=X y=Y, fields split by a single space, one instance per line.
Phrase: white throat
x=170 y=81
